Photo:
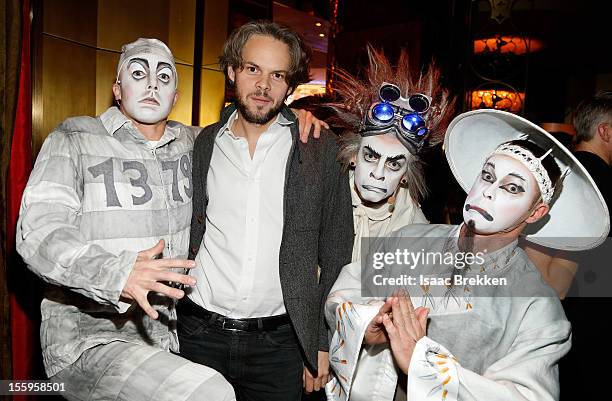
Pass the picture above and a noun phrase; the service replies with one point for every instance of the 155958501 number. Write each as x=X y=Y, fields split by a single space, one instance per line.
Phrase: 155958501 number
x=8 y=387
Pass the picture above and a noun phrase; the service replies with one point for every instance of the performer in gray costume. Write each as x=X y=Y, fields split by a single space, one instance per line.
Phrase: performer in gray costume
x=488 y=339
x=102 y=190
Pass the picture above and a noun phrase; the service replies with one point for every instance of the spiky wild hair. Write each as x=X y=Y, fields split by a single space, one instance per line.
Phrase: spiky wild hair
x=355 y=97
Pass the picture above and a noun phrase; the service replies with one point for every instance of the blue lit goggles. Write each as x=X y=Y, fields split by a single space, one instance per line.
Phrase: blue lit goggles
x=403 y=115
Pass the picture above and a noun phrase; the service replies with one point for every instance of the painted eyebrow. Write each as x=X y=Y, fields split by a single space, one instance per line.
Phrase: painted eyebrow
x=517 y=175
x=142 y=61
x=490 y=165
x=396 y=158
x=372 y=151
x=163 y=65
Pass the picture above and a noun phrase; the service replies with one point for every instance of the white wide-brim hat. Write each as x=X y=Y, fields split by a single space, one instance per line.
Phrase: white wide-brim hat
x=578 y=217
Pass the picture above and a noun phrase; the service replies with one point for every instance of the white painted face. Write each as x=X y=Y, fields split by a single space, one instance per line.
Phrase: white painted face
x=380 y=165
x=502 y=196
x=147 y=88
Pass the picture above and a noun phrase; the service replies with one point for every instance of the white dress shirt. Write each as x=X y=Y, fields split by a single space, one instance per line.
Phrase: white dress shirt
x=237 y=265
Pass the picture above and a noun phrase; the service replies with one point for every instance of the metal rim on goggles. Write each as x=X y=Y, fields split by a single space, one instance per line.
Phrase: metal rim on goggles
x=418 y=102
x=384 y=115
x=408 y=126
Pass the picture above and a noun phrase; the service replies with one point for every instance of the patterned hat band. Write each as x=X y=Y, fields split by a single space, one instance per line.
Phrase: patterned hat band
x=534 y=164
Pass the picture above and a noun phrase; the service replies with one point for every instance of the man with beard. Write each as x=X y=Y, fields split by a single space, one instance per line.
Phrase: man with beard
x=271 y=228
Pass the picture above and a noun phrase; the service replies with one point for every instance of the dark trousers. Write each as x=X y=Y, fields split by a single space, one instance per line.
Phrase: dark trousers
x=260 y=365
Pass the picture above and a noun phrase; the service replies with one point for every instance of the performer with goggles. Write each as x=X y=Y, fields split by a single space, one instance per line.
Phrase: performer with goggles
x=388 y=120
x=405 y=114
x=486 y=339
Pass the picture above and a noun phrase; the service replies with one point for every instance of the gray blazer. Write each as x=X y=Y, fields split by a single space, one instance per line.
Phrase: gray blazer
x=317 y=231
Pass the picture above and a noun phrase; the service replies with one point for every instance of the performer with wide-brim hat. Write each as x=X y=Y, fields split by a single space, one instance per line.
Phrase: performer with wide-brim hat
x=466 y=341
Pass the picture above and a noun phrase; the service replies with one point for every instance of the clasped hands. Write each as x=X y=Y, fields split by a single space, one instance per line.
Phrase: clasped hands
x=399 y=324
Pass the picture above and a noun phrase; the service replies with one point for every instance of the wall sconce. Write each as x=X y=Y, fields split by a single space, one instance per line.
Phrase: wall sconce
x=565 y=128
x=499 y=99
x=507 y=44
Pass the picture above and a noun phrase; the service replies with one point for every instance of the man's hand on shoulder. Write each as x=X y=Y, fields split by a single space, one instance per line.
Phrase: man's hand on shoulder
x=149 y=274
x=307 y=121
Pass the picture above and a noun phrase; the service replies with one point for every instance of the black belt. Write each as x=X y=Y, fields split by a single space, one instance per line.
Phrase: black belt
x=187 y=307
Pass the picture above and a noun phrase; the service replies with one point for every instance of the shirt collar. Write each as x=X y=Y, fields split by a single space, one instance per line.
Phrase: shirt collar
x=228 y=124
x=280 y=120
x=113 y=119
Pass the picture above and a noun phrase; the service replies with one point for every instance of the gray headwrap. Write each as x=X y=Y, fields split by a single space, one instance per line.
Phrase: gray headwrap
x=144 y=46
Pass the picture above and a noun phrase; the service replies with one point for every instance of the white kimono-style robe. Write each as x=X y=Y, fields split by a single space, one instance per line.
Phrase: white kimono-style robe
x=493 y=343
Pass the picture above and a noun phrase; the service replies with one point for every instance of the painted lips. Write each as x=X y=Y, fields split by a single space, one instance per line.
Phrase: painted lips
x=483 y=212
x=374 y=189
x=150 y=100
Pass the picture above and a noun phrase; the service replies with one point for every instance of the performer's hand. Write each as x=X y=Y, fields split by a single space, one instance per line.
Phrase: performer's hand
x=316 y=383
x=408 y=327
x=375 y=332
x=148 y=274
x=306 y=121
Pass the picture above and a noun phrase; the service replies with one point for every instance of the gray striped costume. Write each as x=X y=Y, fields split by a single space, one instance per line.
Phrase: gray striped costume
x=99 y=193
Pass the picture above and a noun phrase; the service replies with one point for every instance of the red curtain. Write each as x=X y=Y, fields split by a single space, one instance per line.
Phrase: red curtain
x=23 y=295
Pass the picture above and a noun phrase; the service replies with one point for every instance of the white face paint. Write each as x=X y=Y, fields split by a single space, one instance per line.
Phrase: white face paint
x=380 y=165
x=148 y=88
x=502 y=196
